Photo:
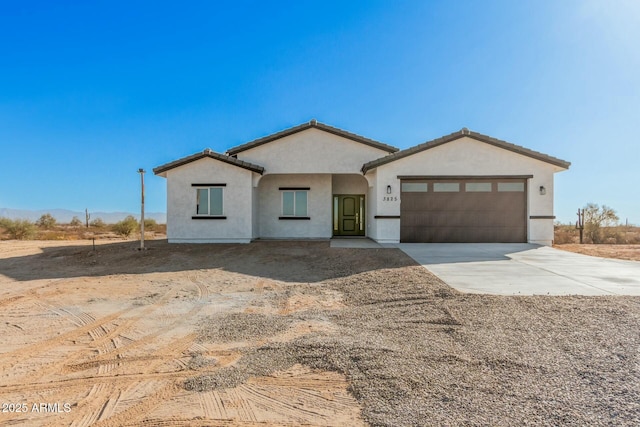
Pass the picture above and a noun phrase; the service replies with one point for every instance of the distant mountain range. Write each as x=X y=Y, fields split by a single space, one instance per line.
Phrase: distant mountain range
x=65 y=215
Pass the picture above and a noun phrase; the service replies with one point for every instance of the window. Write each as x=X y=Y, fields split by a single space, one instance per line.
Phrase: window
x=294 y=203
x=477 y=187
x=414 y=187
x=446 y=187
x=511 y=186
x=209 y=201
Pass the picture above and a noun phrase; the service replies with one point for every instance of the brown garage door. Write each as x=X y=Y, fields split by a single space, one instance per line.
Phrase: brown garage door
x=463 y=211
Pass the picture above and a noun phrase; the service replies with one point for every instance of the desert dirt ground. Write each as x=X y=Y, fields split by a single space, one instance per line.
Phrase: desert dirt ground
x=296 y=333
x=628 y=252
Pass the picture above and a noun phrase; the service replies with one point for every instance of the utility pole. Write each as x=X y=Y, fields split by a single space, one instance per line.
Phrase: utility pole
x=141 y=172
x=580 y=223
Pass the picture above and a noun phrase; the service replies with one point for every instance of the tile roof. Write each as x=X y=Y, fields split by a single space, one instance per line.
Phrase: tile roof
x=311 y=124
x=460 y=134
x=210 y=154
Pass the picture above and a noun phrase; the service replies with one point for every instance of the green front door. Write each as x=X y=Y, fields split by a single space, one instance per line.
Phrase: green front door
x=348 y=215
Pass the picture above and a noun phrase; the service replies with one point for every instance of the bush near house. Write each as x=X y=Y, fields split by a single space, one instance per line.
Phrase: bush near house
x=19 y=229
x=597 y=220
x=150 y=224
x=98 y=223
x=620 y=235
x=601 y=226
x=126 y=226
x=75 y=230
x=46 y=221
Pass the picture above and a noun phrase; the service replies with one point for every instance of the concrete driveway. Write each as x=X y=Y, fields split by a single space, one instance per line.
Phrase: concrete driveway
x=524 y=269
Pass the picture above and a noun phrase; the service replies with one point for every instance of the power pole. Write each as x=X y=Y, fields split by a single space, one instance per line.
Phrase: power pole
x=580 y=223
x=141 y=172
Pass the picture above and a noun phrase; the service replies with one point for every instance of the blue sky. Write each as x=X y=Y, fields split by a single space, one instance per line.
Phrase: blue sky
x=92 y=91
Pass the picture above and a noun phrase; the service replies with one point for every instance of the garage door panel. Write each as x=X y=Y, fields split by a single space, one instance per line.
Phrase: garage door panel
x=414 y=202
x=462 y=216
x=410 y=234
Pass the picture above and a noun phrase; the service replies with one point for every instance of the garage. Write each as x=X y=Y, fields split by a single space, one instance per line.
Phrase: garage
x=463 y=209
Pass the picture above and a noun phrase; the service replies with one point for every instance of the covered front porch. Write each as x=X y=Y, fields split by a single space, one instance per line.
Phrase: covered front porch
x=310 y=206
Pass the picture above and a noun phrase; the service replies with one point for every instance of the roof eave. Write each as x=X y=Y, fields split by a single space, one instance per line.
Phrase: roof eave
x=161 y=170
x=457 y=135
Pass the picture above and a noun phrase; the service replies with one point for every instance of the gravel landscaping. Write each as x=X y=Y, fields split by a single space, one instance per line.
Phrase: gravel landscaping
x=417 y=352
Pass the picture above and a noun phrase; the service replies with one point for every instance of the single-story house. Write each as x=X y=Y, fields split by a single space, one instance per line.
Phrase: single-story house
x=315 y=181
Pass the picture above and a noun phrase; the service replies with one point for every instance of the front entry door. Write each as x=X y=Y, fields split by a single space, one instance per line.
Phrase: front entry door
x=348 y=215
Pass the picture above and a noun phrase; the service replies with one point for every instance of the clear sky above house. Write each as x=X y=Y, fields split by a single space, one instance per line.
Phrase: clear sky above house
x=92 y=91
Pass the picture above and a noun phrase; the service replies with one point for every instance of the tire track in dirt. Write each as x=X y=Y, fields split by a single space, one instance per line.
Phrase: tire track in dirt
x=79 y=318
x=98 y=390
x=12 y=358
x=117 y=353
x=96 y=363
x=190 y=422
x=108 y=397
x=169 y=353
x=31 y=293
x=103 y=405
x=82 y=320
x=138 y=411
x=175 y=348
x=91 y=381
x=120 y=351
x=10 y=300
x=203 y=289
x=299 y=396
x=104 y=341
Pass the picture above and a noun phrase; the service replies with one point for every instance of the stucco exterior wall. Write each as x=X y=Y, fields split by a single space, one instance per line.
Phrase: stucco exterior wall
x=255 y=213
x=465 y=157
x=312 y=151
x=318 y=207
x=349 y=184
x=181 y=203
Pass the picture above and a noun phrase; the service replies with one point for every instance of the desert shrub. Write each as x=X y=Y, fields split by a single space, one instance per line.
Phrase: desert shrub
x=631 y=234
x=621 y=234
x=75 y=222
x=4 y=222
x=53 y=235
x=150 y=224
x=633 y=239
x=46 y=221
x=161 y=229
x=19 y=229
x=565 y=234
x=98 y=223
x=126 y=226
x=595 y=219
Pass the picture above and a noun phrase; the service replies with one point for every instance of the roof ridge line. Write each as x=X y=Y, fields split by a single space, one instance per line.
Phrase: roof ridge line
x=313 y=123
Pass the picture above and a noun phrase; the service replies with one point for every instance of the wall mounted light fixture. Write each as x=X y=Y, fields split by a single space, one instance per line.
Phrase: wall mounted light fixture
x=543 y=190
x=388 y=189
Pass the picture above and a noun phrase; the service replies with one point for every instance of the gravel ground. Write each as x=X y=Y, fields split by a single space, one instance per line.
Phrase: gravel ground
x=417 y=352
x=241 y=327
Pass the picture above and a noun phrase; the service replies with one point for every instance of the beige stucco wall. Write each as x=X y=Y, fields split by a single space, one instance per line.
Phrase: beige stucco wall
x=467 y=156
x=312 y=151
x=181 y=203
x=318 y=207
x=349 y=184
x=255 y=213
